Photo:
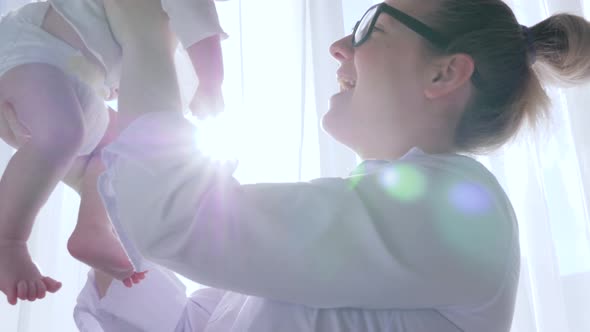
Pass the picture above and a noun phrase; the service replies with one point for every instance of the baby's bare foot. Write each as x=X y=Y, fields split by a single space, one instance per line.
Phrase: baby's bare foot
x=97 y=246
x=19 y=277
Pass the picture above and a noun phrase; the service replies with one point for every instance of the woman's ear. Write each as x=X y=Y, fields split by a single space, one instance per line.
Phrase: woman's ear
x=448 y=75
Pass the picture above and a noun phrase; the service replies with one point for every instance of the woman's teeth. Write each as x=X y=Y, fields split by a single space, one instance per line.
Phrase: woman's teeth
x=345 y=84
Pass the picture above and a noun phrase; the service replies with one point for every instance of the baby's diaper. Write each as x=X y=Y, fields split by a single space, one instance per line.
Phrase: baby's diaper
x=23 y=41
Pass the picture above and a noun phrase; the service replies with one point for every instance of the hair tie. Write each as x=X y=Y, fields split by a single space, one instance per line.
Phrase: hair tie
x=530 y=39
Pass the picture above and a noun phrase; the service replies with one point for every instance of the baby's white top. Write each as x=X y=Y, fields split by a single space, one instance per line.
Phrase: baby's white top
x=421 y=244
x=192 y=21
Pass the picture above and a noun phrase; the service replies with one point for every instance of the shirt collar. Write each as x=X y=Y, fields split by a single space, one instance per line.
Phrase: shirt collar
x=374 y=165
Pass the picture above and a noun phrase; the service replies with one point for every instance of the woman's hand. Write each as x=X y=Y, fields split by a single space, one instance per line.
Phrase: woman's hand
x=138 y=23
x=104 y=281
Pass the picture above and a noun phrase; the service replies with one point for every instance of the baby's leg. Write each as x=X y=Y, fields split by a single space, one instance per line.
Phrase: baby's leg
x=73 y=178
x=45 y=102
x=77 y=172
x=93 y=241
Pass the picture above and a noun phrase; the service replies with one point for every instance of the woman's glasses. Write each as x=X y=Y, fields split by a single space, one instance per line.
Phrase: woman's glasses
x=363 y=29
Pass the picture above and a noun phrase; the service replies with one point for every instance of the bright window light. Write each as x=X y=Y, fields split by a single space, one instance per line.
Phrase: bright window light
x=216 y=137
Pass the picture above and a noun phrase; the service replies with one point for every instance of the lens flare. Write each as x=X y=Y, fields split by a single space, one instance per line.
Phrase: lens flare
x=466 y=221
x=404 y=182
x=470 y=198
x=356 y=176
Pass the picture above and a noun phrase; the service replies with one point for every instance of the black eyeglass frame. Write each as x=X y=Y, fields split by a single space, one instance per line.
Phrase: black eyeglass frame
x=420 y=28
x=437 y=39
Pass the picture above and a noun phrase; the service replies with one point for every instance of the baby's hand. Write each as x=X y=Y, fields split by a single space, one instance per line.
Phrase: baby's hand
x=207 y=101
x=111 y=94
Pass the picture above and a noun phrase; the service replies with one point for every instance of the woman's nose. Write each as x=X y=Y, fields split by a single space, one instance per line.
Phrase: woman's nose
x=342 y=49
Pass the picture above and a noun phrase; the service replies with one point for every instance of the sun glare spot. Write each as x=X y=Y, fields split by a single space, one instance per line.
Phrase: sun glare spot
x=217 y=137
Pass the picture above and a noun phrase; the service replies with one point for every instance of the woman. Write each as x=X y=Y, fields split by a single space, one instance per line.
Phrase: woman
x=420 y=238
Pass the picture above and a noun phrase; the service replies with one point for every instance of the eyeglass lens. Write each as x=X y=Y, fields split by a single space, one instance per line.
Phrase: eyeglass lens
x=364 y=25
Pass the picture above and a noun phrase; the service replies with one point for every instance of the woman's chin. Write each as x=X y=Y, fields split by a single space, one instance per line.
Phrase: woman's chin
x=341 y=99
x=332 y=125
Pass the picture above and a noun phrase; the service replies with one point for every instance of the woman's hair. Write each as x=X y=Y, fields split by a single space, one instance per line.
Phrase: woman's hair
x=511 y=63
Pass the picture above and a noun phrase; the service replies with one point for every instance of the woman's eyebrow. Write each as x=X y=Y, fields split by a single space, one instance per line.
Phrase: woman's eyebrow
x=387 y=21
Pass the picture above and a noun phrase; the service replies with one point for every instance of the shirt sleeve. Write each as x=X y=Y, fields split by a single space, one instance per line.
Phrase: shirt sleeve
x=421 y=233
x=193 y=20
x=158 y=303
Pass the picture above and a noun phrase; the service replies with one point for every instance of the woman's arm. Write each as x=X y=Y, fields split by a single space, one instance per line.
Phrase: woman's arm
x=148 y=79
x=399 y=238
x=157 y=304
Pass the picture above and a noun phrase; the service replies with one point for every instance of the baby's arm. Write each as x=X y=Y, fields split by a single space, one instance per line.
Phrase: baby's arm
x=196 y=24
x=207 y=61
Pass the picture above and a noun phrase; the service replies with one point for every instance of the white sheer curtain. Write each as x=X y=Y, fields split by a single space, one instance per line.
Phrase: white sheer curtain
x=279 y=77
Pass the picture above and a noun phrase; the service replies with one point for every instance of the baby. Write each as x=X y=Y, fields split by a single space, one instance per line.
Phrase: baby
x=58 y=65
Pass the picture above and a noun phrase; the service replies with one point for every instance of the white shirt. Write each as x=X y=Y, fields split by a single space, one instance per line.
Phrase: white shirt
x=191 y=20
x=425 y=243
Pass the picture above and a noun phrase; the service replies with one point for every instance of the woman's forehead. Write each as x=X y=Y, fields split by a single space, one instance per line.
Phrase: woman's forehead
x=417 y=9
x=411 y=7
